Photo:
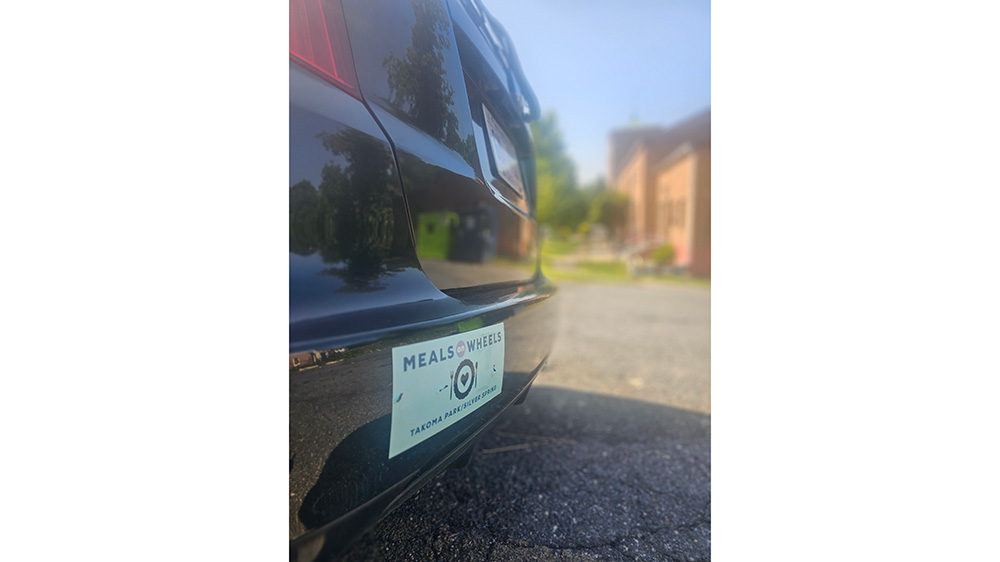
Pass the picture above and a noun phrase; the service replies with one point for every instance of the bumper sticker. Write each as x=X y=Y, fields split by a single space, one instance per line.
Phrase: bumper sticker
x=438 y=382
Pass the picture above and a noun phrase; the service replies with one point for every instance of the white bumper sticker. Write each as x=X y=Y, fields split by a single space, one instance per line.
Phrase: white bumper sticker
x=438 y=382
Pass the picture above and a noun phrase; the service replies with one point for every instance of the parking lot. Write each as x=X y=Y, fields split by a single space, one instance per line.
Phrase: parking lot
x=609 y=458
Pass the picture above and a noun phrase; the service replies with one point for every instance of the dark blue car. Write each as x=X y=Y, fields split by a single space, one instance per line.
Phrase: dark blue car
x=417 y=309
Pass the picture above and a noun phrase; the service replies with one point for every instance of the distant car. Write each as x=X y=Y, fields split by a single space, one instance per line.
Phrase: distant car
x=417 y=309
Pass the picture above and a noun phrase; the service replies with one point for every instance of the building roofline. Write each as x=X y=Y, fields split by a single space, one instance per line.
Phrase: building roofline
x=680 y=152
x=661 y=133
x=627 y=159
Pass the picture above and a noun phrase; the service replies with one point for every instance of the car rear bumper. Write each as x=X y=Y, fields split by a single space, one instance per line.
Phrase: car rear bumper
x=341 y=478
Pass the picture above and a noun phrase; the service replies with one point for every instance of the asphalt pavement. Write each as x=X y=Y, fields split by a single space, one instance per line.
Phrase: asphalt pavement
x=650 y=342
x=609 y=458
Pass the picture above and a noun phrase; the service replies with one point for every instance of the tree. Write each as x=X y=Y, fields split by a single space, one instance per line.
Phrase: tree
x=560 y=204
x=609 y=208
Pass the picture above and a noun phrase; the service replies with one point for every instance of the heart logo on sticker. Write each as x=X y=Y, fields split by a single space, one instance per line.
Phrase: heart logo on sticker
x=464 y=379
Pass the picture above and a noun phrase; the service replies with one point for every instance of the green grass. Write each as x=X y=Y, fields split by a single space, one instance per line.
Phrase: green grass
x=603 y=271
x=606 y=268
x=555 y=247
x=610 y=272
x=678 y=280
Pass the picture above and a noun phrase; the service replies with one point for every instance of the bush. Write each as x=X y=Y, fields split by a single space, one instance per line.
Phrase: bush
x=663 y=255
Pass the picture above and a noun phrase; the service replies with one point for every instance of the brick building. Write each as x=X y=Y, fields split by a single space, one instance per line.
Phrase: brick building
x=667 y=174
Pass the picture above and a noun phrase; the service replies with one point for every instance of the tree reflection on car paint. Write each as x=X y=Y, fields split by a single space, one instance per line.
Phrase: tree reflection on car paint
x=418 y=81
x=348 y=220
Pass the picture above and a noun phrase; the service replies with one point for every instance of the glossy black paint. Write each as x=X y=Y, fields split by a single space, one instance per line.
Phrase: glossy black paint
x=468 y=227
x=349 y=231
x=399 y=233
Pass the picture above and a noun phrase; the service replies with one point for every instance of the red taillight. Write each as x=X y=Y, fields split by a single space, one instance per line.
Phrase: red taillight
x=318 y=40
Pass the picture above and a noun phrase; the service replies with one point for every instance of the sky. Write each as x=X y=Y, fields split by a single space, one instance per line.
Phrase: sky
x=599 y=64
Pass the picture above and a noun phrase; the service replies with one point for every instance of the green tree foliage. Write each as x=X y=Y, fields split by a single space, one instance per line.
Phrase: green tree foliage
x=609 y=208
x=561 y=205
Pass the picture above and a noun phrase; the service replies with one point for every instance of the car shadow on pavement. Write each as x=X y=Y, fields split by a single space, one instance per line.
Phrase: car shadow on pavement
x=567 y=475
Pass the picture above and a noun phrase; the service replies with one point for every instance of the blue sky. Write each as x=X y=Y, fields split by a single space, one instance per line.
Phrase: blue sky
x=598 y=63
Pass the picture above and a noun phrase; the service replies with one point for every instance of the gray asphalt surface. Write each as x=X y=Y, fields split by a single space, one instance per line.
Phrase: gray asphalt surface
x=648 y=342
x=608 y=459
